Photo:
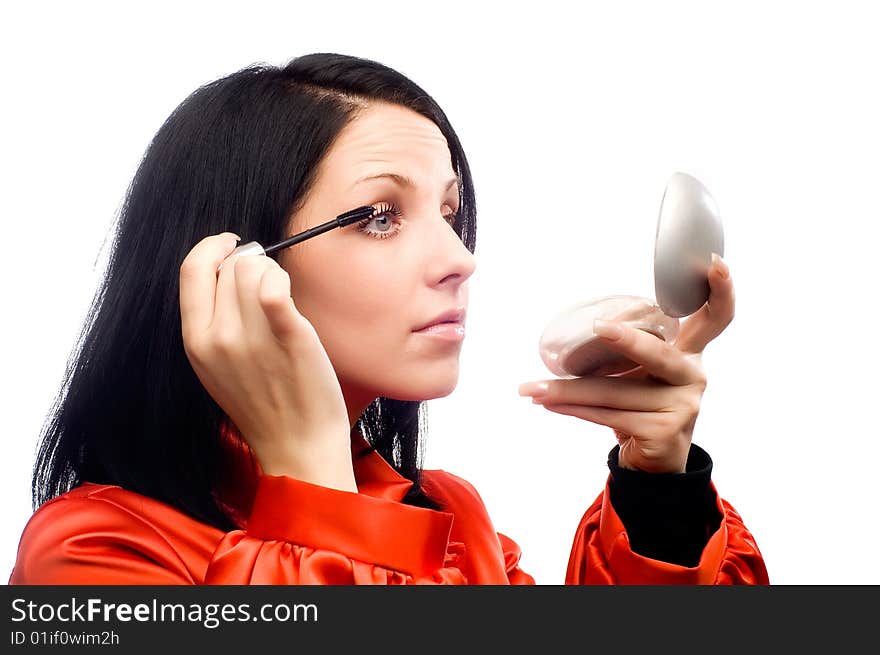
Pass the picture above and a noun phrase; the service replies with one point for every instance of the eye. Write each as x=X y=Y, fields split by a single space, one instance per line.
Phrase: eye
x=386 y=215
x=381 y=216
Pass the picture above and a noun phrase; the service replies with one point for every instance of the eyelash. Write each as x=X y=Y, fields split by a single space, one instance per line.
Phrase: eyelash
x=391 y=208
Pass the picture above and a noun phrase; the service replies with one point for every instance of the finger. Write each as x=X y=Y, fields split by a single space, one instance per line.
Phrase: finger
x=659 y=358
x=713 y=317
x=249 y=272
x=227 y=313
x=615 y=393
x=277 y=303
x=639 y=373
x=632 y=423
x=198 y=281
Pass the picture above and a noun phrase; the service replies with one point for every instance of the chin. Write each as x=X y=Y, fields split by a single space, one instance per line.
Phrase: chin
x=423 y=387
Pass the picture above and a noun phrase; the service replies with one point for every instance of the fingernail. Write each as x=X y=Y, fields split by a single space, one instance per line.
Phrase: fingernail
x=534 y=389
x=607 y=329
x=720 y=266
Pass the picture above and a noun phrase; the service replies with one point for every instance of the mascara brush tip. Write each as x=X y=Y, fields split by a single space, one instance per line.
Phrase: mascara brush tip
x=355 y=215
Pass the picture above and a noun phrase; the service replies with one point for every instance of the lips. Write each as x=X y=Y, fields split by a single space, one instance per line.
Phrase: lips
x=456 y=315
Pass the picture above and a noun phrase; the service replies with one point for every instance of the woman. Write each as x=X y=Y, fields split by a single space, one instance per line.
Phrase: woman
x=262 y=425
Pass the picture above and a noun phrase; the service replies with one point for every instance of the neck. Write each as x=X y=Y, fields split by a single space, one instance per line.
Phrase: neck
x=356 y=401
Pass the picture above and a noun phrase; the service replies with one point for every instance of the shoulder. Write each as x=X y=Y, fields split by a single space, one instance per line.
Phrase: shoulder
x=94 y=505
x=85 y=503
x=89 y=509
x=95 y=521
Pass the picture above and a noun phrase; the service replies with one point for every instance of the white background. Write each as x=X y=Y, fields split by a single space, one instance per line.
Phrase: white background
x=573 y=117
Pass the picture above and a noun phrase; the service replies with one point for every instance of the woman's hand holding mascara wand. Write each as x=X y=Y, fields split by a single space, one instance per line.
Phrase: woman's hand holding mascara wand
x=263 y=363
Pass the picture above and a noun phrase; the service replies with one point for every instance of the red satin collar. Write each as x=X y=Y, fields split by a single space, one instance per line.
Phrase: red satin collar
x=240 y=474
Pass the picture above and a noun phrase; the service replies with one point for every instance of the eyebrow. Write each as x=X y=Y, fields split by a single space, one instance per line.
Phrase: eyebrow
x=403 y=180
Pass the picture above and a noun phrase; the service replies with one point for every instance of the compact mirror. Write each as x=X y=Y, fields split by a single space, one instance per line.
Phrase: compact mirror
x=689 y=230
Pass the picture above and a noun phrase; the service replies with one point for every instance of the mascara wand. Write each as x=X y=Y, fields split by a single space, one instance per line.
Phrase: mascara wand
x=346 y=218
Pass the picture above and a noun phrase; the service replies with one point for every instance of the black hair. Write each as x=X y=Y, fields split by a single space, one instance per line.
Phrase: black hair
x=239 y=154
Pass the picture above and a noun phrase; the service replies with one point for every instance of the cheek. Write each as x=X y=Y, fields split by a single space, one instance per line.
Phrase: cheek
x=363 y=308
x=360 y=305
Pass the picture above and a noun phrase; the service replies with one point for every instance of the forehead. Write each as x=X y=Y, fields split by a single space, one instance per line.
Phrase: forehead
x=388 y=138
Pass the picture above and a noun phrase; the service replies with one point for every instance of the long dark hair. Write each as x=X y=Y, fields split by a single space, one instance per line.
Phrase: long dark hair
x=239 y=154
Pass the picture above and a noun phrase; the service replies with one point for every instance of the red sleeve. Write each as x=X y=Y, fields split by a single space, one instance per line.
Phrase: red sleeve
x=343 y=538
x=601 y=553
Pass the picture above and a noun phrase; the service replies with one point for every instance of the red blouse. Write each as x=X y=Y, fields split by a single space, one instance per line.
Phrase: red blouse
x=295 y=532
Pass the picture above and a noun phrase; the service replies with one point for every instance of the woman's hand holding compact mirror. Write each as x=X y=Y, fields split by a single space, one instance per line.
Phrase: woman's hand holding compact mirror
x=689 y=230
x=641 y=372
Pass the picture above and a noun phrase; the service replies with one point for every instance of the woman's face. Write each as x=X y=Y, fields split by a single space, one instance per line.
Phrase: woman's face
x=366 y=292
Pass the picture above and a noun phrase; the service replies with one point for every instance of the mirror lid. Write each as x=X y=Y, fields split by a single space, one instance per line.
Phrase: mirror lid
x=689 y=230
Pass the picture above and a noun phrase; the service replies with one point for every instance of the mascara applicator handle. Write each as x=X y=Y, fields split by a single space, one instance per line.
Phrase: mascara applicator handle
x=250 y=248
x=346 y=218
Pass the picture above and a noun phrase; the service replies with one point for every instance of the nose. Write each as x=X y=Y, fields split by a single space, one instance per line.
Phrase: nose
x=452 y=262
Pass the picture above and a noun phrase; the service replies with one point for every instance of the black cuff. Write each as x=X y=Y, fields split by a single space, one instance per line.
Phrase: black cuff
x=667 y=516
